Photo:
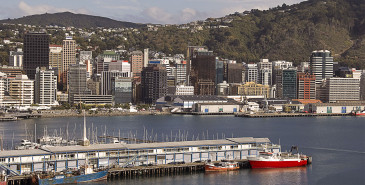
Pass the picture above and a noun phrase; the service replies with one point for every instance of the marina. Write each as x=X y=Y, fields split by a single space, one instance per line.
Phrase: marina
x=306 y=132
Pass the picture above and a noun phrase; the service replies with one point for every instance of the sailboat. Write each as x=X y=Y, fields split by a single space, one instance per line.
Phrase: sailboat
x=84 y=174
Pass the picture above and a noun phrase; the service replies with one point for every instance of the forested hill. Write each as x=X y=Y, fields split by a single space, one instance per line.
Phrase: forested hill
x=71 y=19
x=283 y=33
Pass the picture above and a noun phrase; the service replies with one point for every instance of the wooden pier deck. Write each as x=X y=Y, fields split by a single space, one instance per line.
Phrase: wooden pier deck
x=271 y=115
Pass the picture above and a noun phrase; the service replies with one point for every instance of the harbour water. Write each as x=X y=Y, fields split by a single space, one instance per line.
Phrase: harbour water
x=337 y=144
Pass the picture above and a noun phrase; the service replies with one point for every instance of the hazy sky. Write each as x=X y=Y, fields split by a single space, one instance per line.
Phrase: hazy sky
x=139 y=11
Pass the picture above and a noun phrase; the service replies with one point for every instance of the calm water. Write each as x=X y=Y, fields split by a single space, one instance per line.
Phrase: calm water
x=337 y=144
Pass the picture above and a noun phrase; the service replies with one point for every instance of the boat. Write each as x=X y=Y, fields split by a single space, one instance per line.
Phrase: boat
x=221 y=166
x=358 y=113
x=72 y=177
x=3 y=180
x=278 y=160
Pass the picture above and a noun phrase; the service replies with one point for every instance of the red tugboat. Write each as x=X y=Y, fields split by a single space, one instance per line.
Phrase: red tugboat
x=358 y=113
x=278 y=160
x=221 y=166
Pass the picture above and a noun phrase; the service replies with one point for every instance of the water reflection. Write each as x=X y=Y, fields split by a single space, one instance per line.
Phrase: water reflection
x=295 y=175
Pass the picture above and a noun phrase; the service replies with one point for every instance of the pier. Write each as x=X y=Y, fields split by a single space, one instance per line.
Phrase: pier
x=271 y=115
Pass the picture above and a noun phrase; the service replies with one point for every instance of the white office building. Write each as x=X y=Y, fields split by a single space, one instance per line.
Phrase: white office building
x=45 y=87
x=21 y=89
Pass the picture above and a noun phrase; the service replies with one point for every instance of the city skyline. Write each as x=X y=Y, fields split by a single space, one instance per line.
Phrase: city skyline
x=139 y=11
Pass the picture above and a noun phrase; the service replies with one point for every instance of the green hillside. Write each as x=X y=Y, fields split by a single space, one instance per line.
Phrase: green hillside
x=71 y=19
x=282 y=33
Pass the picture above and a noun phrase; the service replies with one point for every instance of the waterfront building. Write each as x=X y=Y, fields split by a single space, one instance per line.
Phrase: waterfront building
x=122 y=90
x=186 y=102
x=68 y=57
x=16 y=58
x=45 y=86
x=341 y=107
x=36 y=52
x=137 y=63
x=289 y=83
x=3 y=87
x=251 y=73
x=321 y=65
x=251 y=89
x=21 y=89
x=306 y=86
x=55 y=59
x=203 y=73
x=265 y=72
x=154 y=83
x=340 y=89
x=93 y=99
x=60 y=158
x=229 y=107
x=77 y=81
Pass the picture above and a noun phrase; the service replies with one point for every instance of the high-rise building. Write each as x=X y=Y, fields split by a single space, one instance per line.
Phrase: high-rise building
x=289 y=82
x=278 y=66
x=36 y=52
x=251 y=73
x=203 y=73
x=55 y=59
x=77 y=81
x=154 y=83
x=190 y=54
x=321 y=65
x=343 y=89
x=122 y=90
x=45 y=86
x=306 y=86
x=137 y=63
x=219 y=68
x=21 y=89
x=86 y=57
x=181 y=73
x=265 y=72
x=145 y=57
x=68 y=57
x=234 y=73
x=16 y=58
x=106 y=81
x=122 y=66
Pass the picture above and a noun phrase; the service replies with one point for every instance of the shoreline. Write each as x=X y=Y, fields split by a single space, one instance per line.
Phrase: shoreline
x=55 y=114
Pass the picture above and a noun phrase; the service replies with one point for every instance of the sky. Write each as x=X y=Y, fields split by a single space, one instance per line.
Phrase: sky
x=138 y=11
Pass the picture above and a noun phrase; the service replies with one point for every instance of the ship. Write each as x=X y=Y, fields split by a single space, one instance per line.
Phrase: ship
x=83 y=175
x=358 y=113
x=278 y=160
x=221 y=166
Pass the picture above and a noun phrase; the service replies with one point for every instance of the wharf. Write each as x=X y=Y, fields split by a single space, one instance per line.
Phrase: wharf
x=270 y=115
x=203 y=113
